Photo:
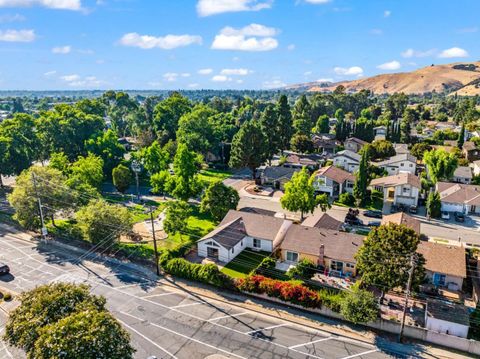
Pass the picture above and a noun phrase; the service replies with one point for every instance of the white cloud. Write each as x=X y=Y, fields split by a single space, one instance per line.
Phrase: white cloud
x=50 y=73
x=238 y=72
x=75 y=80
x=205 y=71
x=273 y=84
x=221 y=78
x=409 y=53
x=387 y=13
x=193 y=86
x=213 y=7
x=70 y=78
x=75 y=5
x=254 y=37
x=62 y=50
x=86 y=51
x=318 y=1
x=392 y=65
x=467 y=30
x=453 y=52
x=291 y=47
x=17 y=35
x=11 y=18
x=167 y=42
x=173 y=76
x=348 y=71
x=307 y=73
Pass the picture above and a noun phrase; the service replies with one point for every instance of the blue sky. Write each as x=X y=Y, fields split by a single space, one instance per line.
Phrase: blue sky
x=254 y=44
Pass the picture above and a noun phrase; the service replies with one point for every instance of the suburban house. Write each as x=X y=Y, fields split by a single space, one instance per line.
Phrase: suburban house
x=354 y=144
x=240 y=230
x=348 y=160
x=458 y=197
x=463 y=174
x=322 y=220
x=428 y=132
x=401 y=148
x=325 y=144
x=298 y=160
x=445 y=265
x=402 y=219
x=331 y=250
x=275 y=176
x=447 y=318
x=403 y=188
x=334 y=181
x=404 y=162
x=380 y=132
x=476 y=168
x=470 y=151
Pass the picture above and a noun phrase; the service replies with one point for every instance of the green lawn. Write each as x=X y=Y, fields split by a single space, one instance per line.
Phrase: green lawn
x=212 y=175
x=244 y=263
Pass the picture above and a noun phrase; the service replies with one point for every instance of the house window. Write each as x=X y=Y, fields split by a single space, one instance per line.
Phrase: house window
x=406 y=189
x=349 y=265
x=232 y=250
x=292 y=256
x=411 y=164
x=439 y=279
x=401 y=164
x=336 y=265
x=257 y=243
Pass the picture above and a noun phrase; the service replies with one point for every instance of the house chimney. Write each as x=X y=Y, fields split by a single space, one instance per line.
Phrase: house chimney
x=321 y=254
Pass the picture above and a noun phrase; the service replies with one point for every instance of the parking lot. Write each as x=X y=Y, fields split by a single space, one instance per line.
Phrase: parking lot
x=169 y=323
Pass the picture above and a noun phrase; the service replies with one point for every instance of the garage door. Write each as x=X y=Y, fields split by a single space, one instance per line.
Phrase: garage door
x=452 y=207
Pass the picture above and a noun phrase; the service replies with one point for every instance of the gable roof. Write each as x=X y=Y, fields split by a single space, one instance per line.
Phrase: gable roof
x=403 y=218
x=401 y=148
x=274 y=172
x=459 y=193
x=322 y=220
x=469 y=146
x=397 y=158
x=442 y=258
x=336 y=174
x=463 y=172
x=307 y=240
x=228 y=234
x=397 y=180
x=357 y=140
x=349 y=154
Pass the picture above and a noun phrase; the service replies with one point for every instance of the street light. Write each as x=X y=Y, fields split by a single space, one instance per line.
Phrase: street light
x=137 y=168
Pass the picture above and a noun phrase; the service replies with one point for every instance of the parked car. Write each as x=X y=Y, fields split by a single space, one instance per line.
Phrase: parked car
x=459 y=217
x=373 y=214
x=413 y=209
x=4 y=269
x=374 y=223
x=354 y=221
x=445 y=215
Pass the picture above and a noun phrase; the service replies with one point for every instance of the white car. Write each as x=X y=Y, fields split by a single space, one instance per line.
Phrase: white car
x=445 y=215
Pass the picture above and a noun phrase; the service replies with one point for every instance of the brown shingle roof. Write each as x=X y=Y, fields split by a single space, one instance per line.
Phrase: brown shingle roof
x=336 y=174
x=469 y=146
x=403 y=218
x=322 y=220
x=459 y=193
x=446 y=259
x=357 y=140
x=397 y=180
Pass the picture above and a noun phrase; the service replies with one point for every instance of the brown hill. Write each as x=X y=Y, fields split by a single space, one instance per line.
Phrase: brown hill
x=461 y=78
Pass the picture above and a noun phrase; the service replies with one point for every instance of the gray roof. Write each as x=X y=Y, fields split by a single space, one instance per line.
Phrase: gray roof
x=463 y=172
x=228 y=234
x=350 y=154
x=397 y=158
x=322 y=220
x=448 y=312
x=275 y=173
x=400 y=148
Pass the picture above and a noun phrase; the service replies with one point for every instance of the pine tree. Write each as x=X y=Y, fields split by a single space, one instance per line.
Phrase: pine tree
x=461 y=136
x=361 y=181
x=285 y=122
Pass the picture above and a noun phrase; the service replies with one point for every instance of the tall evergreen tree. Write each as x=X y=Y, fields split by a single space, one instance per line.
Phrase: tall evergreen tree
x=269 y=125
x=361 y=181
x=461 y=136
x=285 y=122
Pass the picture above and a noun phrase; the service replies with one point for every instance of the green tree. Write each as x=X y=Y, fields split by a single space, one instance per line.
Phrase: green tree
x=300 y=194
x=323 y=124
x=301 y=143
x=59 y=161
x=440 y=164
x=285 y=122
x=167 y=113
x=461 y=137
x=270 y=128
x=154 y=158
x=305 y=269
x=419 y=149
x=248 y=147
x=72 y=337
x=159 y=182
x=385 y=256
x=184 y=184
x=108 y=148
x=88 y=170
x=359 y=306
x=218 y=199
x=361 y=181
x=474 y=332
x=380 y=149
x=102 y=223
x=434 y=205
x=122 y=178
x=176 y=217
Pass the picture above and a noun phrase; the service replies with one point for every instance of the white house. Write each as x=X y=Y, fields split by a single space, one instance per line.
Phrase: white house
x=403 y=188
x=348 y=160
x=354 y=144
x=458 y=197
x=447 y=318
x=333 y=181
x=404 y=162
x=380 y=133
x=240 y=230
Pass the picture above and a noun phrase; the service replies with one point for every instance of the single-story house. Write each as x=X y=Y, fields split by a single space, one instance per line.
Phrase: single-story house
x=333 y=181
x=470 y=151
x=463 y=174
x=404 y=162
x=404 y=219
x=276 y=176
x=354 y=144
x=401 y=148
x=458 y=197
x=445 y=265
x=476 y=168
x=322 y=220
x=298 y=160
x=403 y=188
x=447 y=318
x=329 y=249
x=380 y=132
x=240 y=230
x=348 y=160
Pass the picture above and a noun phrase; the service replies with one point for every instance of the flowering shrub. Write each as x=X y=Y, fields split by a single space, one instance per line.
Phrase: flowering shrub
x=286 y=291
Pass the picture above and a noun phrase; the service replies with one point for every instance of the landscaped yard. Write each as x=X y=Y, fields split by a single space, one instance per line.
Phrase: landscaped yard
x=213 y=175
x=244 y=263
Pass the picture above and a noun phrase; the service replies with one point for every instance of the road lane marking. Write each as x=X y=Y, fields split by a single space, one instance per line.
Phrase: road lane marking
x=267 y=328
x=309 y=343
x=131 y=285
x=159 y=295
x=360 y=354
x=146 y=338
x=185 y=305
x=185 y=336
x=227 y=316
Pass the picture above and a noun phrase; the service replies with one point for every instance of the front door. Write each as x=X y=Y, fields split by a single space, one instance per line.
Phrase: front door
x=212 y=252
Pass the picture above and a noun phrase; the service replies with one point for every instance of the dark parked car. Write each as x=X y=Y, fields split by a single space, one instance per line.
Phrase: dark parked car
x=459 y=217
x=374 y=223
x=354 y=221
x=373 y=214
x=4 y=269
x=413 y=209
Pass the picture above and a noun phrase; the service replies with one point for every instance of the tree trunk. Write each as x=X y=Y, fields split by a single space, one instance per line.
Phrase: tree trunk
x=53 y=220
x=1 y=181
x=301 y=216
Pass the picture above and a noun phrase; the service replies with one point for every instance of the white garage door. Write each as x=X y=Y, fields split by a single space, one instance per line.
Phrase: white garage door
x=452 y=207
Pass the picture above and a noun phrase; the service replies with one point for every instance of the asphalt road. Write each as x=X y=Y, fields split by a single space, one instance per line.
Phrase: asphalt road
x=168 y=323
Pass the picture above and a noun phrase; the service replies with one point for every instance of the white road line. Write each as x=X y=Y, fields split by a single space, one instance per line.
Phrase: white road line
x=185 y=336
x=309 y=343
x=159 y=295
x=186 y=305
x=130 y=285
x=227 y=316
x=267 y=328
x=360 y=354
x=146 y=338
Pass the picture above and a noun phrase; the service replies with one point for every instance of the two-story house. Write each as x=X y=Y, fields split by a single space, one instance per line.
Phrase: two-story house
x=354 y=144
x=463 y=174
x=333 y=181
x=470 y=151
x=458 y=197
x=348 y=160
x=404 y=162
x=380 y=132
x=403 y=188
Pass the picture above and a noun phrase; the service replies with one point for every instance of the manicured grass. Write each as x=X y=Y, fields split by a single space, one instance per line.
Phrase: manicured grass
x=212 y=175
x=139 y=213
x=244 y=263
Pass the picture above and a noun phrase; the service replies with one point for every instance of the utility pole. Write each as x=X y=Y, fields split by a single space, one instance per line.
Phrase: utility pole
x=40 y=210
x=157 y=266
x=413 y=260
x=137 y=168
